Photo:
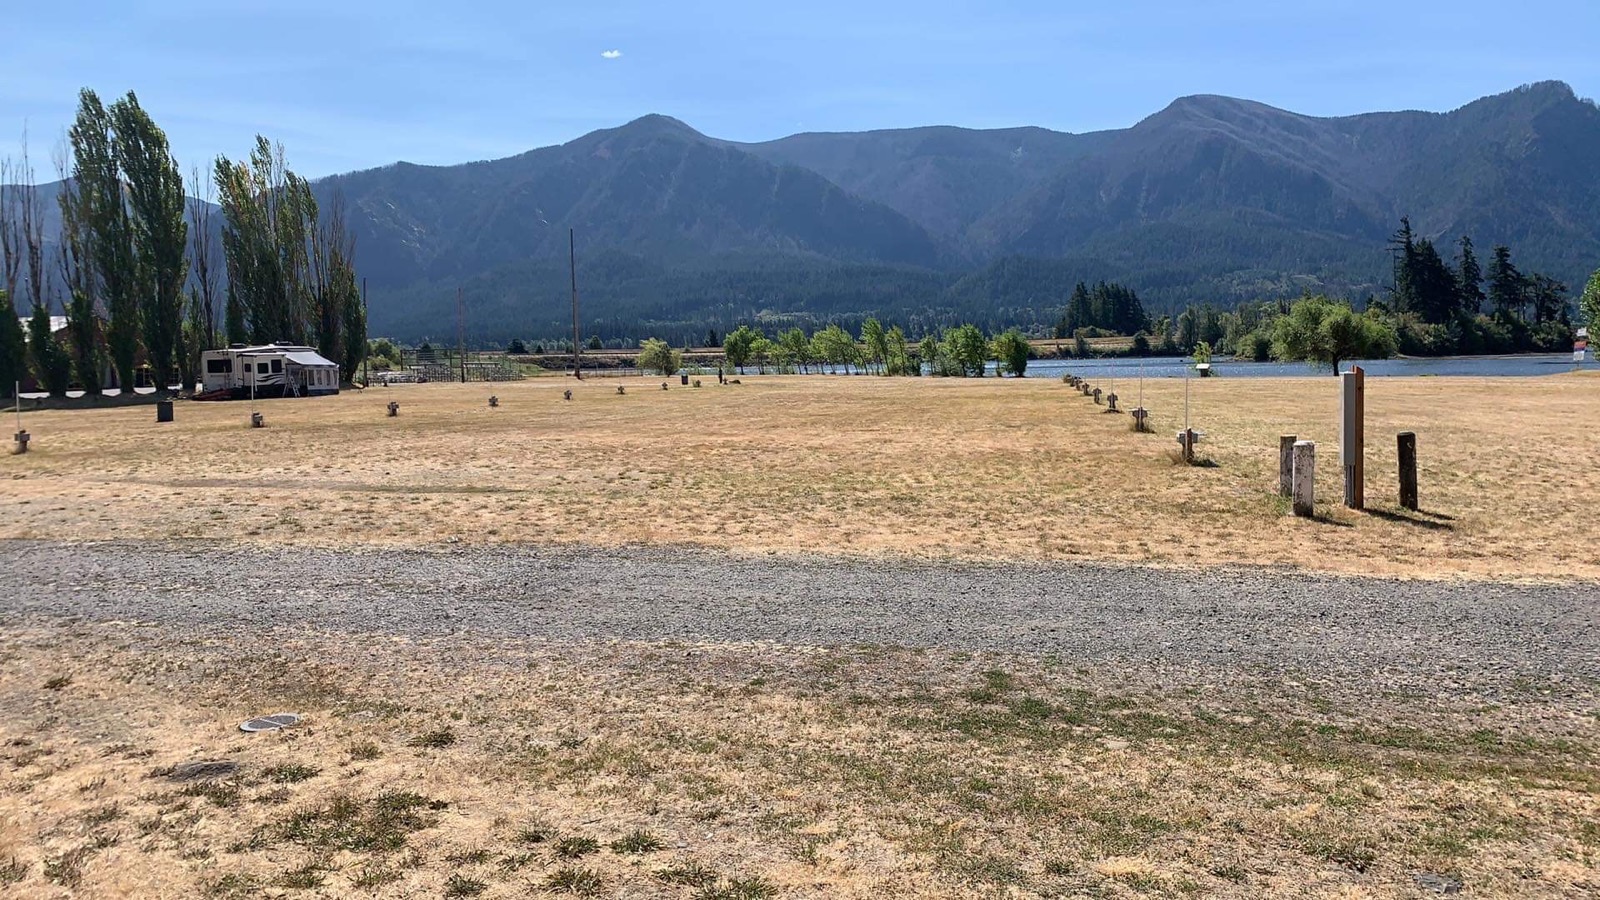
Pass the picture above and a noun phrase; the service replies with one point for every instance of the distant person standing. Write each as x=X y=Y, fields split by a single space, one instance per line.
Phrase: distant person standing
x=720 y=378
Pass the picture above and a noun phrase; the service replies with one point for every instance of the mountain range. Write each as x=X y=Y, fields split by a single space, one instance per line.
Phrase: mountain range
x=1211 y=199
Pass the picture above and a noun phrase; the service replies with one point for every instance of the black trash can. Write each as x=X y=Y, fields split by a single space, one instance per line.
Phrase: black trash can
x=163 y=410
x=685 y=377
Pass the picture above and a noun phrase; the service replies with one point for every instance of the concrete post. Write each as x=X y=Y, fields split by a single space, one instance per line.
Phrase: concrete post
x=1305 y=478
x=1096 y=396
x=1353 y=436
x=1286 y=465
x=1408 y=470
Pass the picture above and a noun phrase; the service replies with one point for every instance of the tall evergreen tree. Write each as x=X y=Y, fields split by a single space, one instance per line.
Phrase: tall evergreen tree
x=1402 y=245
x=1548 y=297
x=1469 y=278
x=1434 y=292
x=50 y=363
x=1079 y=314
x=159 y=229
x=97 y=179
x=13 y=347
x=1507 y=286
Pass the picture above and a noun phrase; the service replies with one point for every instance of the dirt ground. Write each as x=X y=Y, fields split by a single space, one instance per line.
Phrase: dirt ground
x=987 y=469
x=475 y=767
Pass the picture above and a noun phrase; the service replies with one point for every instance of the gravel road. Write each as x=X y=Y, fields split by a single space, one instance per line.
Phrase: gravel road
x=1424 y=636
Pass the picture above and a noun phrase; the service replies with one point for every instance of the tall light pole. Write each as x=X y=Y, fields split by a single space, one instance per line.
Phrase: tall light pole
x=572 y=257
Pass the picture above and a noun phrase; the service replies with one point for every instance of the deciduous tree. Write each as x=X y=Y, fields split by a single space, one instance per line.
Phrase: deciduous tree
x=1329 y=332
x=159 y=230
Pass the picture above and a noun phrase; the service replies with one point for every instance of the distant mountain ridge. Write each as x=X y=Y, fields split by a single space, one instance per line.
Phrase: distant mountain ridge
x=1210 y=199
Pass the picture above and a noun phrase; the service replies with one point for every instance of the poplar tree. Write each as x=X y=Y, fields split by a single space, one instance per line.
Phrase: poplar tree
x=159 y=230
x=50 y=363
x=105 y=222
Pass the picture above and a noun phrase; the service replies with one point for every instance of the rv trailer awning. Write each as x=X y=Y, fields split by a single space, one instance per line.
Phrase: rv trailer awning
x=307 y=358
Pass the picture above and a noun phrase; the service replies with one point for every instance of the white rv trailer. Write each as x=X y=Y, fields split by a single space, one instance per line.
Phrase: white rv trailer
x=269 y=370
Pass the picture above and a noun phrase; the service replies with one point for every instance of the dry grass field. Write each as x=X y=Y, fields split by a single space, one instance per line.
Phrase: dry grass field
x=922 y=467
x=473 y=767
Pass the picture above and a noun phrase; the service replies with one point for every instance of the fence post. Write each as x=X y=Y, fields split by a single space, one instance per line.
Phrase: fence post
x=1286 y=465
x=1408 y=470
x=1305 y=478
x=1353 y=436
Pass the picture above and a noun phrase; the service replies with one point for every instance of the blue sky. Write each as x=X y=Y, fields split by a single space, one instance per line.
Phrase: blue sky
x=349 y=84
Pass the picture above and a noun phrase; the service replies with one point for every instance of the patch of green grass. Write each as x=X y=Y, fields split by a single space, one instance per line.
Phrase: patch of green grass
x=756 y=888
x=304 y=878
x=365 y=751
x=576 y=847
x=469 y=857
x=582 y=882
x=690 y=873
x=374 y=874
x=381 y=824
x=512 y=862
x=437 y=739
x=1357 y=856
x=218 y=793
x=289 y=773
x=459 y=885
x=234 y=884
x=637 y=841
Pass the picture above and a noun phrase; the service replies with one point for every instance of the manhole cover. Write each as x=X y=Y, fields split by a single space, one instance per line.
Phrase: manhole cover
x=270 y=723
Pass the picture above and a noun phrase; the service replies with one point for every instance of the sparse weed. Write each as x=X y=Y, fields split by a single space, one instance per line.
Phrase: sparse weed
x=637 y=841
x=576 y=847
x=67 y=869
x=304 y=878
x=437 y=739
x=58 y=682
x=365 y=751
x=690 y=873
x=582 y=882
x=289 y=773
x=460 y=885
x=219 y=793
x=535 y=832
x=13 y=871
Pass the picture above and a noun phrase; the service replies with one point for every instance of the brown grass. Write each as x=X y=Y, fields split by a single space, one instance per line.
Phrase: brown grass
x=928 y=467
x=763 y=771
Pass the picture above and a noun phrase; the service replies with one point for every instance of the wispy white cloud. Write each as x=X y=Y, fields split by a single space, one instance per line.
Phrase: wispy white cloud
x=611 y=54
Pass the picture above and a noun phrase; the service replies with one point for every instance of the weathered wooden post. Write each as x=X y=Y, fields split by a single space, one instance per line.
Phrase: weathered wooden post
x=567 y=394
x=493 y=401
x=257 y=420
x=394 y=409
x=619 y=391
x=1305 y=478
x=1096 y=396
x=1352 y=436
x=1141 y=418
x=1286 y=465
x=1408 y=470
x=22 y=442
x=1111 y=403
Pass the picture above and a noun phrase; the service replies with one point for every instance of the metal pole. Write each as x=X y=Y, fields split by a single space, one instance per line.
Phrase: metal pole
x=17 y=393
x=366 y=326
x=461 y=334
x=572 y=258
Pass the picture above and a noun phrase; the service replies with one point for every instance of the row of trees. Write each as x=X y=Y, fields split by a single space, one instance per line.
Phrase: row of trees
x=137 y=261
x=1108 y=307
x=960 y=351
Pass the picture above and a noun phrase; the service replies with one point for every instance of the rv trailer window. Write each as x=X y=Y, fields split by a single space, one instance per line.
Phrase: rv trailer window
x=277 y=366
x=219 y=367
x=261 y=368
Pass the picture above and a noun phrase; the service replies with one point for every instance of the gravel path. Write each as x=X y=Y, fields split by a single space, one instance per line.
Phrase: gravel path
x=1423 y=636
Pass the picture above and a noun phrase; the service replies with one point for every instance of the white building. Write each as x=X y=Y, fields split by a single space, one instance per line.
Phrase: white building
x=270 y=370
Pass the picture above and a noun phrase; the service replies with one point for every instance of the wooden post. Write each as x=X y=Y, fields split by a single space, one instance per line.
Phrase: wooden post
x=1408 y=470
x=394 y=409
x=22 y=442
x=1286 y=465
x=1353 y=435
x=1305 y=478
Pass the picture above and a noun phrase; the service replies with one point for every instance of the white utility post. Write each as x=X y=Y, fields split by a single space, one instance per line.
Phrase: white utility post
x=1305 y=478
